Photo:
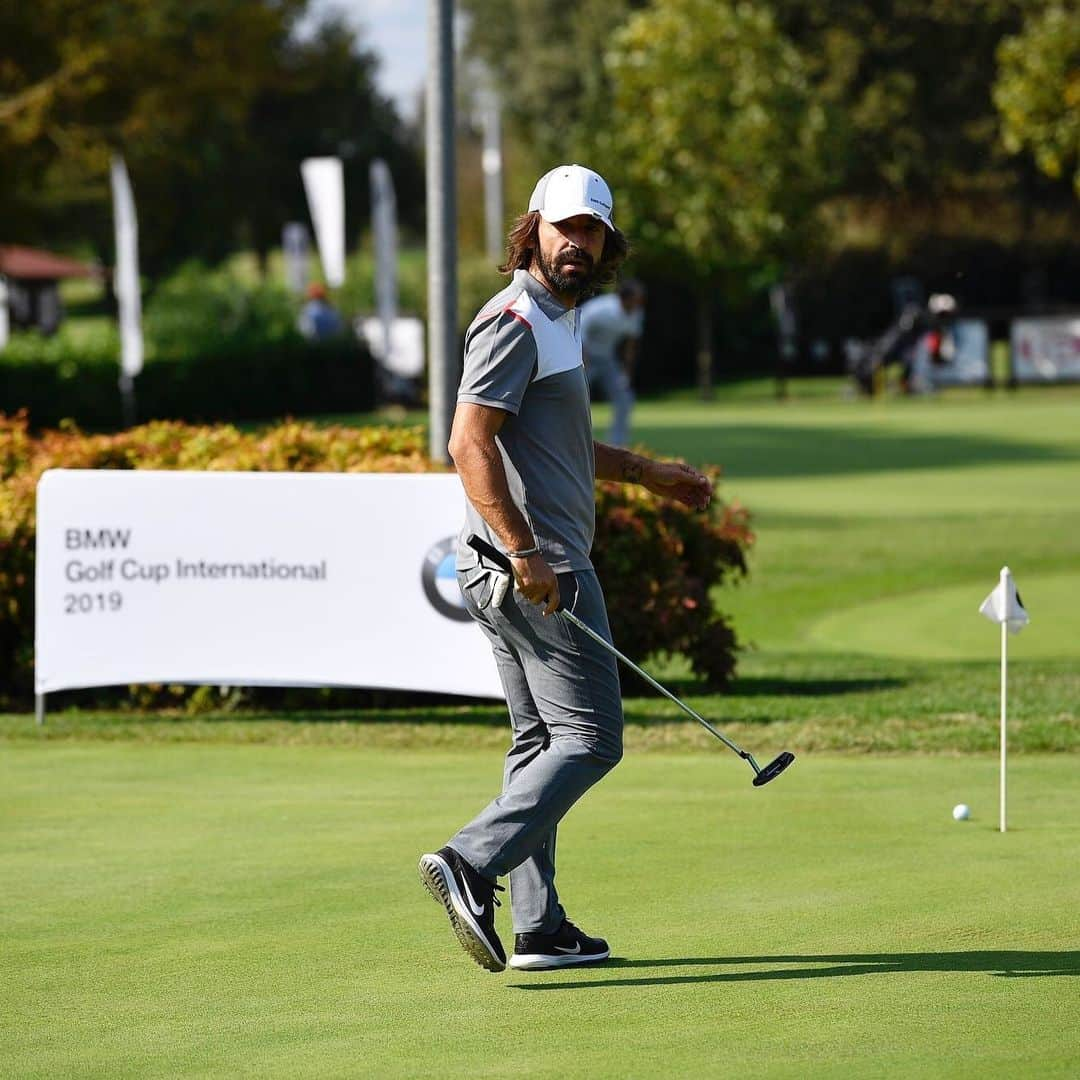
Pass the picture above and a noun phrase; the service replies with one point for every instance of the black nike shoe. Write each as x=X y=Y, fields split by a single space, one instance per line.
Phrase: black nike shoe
x=568 y=945
x=470 y=901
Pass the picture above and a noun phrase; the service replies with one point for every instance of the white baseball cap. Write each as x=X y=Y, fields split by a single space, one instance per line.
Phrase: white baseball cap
x=569 y=190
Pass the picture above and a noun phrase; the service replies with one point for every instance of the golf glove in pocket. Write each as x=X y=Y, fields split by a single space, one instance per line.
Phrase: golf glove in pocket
x=488 y=587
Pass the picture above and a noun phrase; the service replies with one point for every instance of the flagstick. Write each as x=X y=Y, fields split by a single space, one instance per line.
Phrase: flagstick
x=1004 y=683
x=1004 y=607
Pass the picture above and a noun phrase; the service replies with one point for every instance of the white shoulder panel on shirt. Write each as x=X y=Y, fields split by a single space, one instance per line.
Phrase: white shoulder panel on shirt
x=558 y=341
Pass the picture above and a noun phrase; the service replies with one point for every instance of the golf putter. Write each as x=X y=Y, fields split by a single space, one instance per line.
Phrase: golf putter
x=761 y=775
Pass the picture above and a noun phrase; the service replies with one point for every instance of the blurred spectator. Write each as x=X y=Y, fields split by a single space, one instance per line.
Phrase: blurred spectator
x=611 y=327
x=787 y=334
x=917 y=323
x=319 y=320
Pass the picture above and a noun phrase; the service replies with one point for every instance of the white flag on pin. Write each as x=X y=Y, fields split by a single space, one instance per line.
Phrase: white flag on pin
x=1003 y=604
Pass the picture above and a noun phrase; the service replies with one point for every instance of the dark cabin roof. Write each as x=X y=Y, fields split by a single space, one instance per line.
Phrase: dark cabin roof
x=32 y=264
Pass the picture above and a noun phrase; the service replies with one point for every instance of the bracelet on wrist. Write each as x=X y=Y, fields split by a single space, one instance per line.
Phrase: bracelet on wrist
x=524 y=553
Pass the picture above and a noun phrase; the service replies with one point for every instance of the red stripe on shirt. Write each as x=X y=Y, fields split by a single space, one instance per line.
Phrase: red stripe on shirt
x=508 y=310
x=520 y=318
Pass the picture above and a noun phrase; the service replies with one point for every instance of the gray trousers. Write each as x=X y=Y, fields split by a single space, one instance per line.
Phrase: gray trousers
x=562 y=691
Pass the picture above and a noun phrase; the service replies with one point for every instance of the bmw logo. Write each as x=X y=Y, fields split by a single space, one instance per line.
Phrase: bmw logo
x=439 y=579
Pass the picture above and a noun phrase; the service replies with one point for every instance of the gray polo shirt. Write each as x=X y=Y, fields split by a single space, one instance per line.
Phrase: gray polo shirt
x=523 y=355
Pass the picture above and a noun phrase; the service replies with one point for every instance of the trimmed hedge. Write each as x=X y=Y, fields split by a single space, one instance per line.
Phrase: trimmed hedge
x=658 y=561
x=217 y=348
x=245 y=382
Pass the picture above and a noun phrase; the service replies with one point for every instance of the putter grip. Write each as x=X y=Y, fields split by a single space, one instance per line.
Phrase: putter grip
x=482 y=547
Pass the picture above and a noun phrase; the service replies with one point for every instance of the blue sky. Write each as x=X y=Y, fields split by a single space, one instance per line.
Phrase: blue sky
x=397 y=31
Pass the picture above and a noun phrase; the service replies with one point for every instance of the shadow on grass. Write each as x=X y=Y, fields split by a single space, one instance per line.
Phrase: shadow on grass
x=1008 y=964
x=261 y=704
x=810 y=687
x=759 y=686
x=759 y=451
x=481 y=712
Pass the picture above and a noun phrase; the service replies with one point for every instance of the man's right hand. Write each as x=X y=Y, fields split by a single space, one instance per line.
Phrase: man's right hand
x=536 y=581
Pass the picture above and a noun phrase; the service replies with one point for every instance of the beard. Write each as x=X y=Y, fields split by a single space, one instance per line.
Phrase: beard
x=579 y=283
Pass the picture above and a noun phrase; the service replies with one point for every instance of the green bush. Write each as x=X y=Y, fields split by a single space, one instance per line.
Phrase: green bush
x=658 y=561
x=220 y=345
x=232 y=383
x=477 y=282
x=198 y=310
x=72 y=375
x=216 y=349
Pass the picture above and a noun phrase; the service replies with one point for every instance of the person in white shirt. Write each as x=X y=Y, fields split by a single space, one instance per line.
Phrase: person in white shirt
x=611 y=327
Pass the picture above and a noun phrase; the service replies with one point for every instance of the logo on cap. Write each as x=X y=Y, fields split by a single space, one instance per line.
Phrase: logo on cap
x=569 y=190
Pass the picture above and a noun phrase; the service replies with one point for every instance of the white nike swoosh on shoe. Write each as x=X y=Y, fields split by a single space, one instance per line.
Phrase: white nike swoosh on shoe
x=477 y=909
x=575 y=949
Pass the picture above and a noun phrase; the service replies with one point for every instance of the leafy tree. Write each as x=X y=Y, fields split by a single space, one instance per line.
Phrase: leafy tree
x=909 y=85
x=716 y=139
x=546 y=59
x=212 y=103
x=906 y=86
x=1037 y=91
x=323 y=102
x=164 y=81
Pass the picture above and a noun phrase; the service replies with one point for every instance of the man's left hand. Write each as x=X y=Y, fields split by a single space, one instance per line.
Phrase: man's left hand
x=672 y=480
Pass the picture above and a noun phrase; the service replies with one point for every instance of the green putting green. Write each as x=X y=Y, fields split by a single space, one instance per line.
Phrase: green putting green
x=882 y=525
x=237 y=896
x=941 y=624
x=224 y=911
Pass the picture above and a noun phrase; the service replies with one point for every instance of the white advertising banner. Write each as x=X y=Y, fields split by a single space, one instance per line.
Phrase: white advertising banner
x=253 y=579
x=963 y=357
x=1046 y=349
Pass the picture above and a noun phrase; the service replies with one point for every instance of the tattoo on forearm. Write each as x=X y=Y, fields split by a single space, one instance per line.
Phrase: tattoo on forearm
x=632 y=471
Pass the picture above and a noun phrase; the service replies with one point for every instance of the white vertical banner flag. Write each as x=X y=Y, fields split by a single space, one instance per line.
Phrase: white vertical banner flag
x=4 y=325
x=126 y=281
x=324 y=185
x=492 y=165
x=1003 y=606
x=384 y=226
x=294 y=245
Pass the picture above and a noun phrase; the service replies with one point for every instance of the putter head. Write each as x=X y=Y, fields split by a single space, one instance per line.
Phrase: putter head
x=774 y=768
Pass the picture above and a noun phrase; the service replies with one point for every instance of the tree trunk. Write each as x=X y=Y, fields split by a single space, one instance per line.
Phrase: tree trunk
x=705 y=343
x=262 y=258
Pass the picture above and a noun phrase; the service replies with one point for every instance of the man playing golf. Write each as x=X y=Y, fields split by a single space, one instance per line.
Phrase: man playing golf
x=522 y=443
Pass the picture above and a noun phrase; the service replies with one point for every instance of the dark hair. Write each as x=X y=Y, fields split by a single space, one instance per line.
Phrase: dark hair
x=630 y=287
x=522 y=247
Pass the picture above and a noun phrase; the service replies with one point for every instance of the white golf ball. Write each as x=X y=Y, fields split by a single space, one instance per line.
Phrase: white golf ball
x=961 y=812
